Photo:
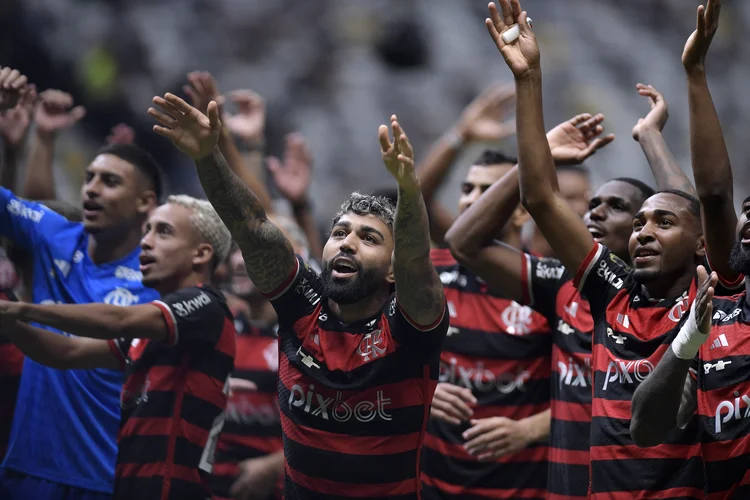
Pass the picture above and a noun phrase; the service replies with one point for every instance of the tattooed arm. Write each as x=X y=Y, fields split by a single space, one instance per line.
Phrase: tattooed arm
x=418 y=287
x=269 y=257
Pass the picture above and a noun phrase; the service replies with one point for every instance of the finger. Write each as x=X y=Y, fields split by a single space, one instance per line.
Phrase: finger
x=209 y=83
x=497 y=19
x=592 y=133
x=578 y=119
x=213 y=115
x=456 y=406
x=273 y=164
x=77 y=113
x=164 y=132
x=486 y=441
x=702 y=275
x=162 y=118
x=397 y=133
x=178 y=103
x=166 y=107
x=596 y=145
x=523 y=22
x=405 y=146
x=385 y=141
x=507 y=13
x=4 y=72
x=504 y=449
x=196 y=81
x=441 y=415
x=16 y=80
x=515 y=5
x=192 y=94
x=461 y=392
x=700 y=24
x=591 y=122
x=449 y=409
x=494 y=34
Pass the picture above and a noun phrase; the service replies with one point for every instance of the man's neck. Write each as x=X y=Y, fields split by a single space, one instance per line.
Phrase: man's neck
x=747 y=289
x=668 y=288
x=104 y=248
x=364 y=309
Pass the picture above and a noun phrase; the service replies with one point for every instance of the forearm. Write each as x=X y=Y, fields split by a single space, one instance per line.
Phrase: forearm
x=39 y=183
x=432 y=173
x=243 y=171
x=664 y=166
x=538 y=426
x=101 y=321
x=418 y=287
x=537 y=175
x=50 y=349
x=306 y=220
x=657 y=400
x=9 y=174
x=269 y=257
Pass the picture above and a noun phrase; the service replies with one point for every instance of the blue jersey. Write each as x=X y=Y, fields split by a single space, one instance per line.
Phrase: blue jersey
x=66 y=421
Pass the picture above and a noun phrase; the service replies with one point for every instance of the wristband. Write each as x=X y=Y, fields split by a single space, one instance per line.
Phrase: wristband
x=454 y=139
x=689 y=339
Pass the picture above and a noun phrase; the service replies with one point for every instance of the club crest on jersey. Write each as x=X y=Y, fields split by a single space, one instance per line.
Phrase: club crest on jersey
x=372 y=345
x=680 y=308
x=517 y=319
x=120 y=297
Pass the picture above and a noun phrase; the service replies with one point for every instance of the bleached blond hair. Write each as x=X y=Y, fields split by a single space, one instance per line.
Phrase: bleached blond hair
x=207 y=222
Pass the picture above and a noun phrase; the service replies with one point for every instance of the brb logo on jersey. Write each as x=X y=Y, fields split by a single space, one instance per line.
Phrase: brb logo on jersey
x=734 y=411
x=627 y=372
x=372 y=345
x=120 y=297
x=479 y=378
x=334 y=407
x=517 y=319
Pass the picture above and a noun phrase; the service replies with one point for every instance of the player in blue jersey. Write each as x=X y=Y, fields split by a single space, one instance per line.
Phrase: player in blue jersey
x=63 y=441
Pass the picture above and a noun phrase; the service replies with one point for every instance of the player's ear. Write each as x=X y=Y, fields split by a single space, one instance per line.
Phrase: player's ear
x=147 y=202
x=700 y=250
x=390 y=278
x=204 y=252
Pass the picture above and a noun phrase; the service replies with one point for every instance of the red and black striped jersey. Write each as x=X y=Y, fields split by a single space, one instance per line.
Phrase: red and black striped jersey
x=354 y=399
x=631 y=334
x=173 y=399
x=501 y=351
x=252 y=428
x=724 y=400
x=548 y=288
x=11 y=365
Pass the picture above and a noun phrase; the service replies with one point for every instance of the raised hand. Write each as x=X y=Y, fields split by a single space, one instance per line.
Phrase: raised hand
x=56 y=112
x=192 y=132
x=703 y=299
x=521 y=55
x=202 y=90
x=657 y=117
x=249 y=123
x=398 y=155
x=121 y=134
x=696 y=47
x=574 y=140
x=483 y=118
x=13 y=85
x=294 y=175
x=14 y=123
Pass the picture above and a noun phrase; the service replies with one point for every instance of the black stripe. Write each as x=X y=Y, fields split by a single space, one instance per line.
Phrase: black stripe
x=568 y=435
x=264 y=379
x=142 y=449
x=141 y=488
x=534 y=392
x=721 y=476
x=216 y=365
x=160 y=404
x=403 y=420
x=185 y=490
x=473 y=342
x=732 y=374
x=607 y=431
x=579 y=393
x=186 y=453
x=431 y=493
x=578 y=341
x=566 y=479
x=647 y=474
x=293 y=491
x=254 y=430
x=198 y=411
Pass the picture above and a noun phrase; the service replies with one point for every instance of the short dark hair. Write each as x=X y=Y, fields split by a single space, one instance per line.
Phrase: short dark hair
x=142 y=160
x=694 y=207
x=367 y=204
x=494 y=157
x=645 y=190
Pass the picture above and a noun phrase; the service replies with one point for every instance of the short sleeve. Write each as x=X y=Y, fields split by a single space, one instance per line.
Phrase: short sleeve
x=299 y=295
x=194 y=316
x=120 y=348
x=22 y=221
x=541 y=279
x=601 y=277
x=406 y=331
x=727 y=285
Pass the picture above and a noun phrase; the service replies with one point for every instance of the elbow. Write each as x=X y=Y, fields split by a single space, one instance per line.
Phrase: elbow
x=457 y=246
x=535 y=203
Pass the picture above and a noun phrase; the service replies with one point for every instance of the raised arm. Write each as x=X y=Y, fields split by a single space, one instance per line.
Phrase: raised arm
x=269 y=257
x=480 y=121
x=712 y=169
x=14 y=124
x=667 y=397
x=647 y=132
x=561 y=226
x=470 y=238
x=418 y=287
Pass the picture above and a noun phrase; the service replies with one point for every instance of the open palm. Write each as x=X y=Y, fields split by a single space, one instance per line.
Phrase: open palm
x=574 y=140
x=696 y=47
x=521 y=55
x=192 y=132
x=398 y=155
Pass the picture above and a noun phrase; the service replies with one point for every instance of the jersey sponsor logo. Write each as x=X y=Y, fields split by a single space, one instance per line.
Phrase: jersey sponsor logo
x=718 y=366
x=372 y=345
x=478 y=378
x=450 y=277
x=627 y=372
x=720 y=341
x=18 y=209
x=189 y=306
x=335 y=408
x=679 y=309
x=242 y=411
x=305 y=289
x=306 y=359
x=120 y=297
x=125 y=273
x=729 y=410
x=731 y=316
x=605 y=273
x=564 y=328
x=517 y=319
x=543 y=271
x=574 y=374
x=271 y=355
x=619 y=339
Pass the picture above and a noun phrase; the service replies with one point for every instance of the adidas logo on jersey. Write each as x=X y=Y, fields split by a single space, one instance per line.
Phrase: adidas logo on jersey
x=721 y=341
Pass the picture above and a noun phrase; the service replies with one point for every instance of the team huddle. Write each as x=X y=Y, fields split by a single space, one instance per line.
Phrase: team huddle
x=195 y=349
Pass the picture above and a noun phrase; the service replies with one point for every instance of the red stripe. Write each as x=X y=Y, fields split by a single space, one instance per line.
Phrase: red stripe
x=631 y=451
x=11 y=359
x=205 y=387
x=569 y=457
x=422 y=328
x=226 y=469
x=585 y=266
x=442 y=257
x=171 y=443
x=570 y=412
x=227 y=343
x=525 y=279
x=483 y=312
x=169 y=320
x=457 y=451
x=736 y=336
x=351 y=445
x=649 y=495
x=263 y=444
x=168 y=471
x=555 y=496
x=745 y=481
x=611 y=409
x=516 y=412
x=117 y=353
x=724 y=450
x=327 y=487
x=276 y=293
x=452 y=489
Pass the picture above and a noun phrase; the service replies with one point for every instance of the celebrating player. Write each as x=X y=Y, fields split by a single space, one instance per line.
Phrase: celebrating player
x=358 y=364
x=177 y=353
x=636 y=312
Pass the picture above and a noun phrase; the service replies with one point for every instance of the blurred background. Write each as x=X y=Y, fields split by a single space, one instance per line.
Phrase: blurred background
x=336 y=69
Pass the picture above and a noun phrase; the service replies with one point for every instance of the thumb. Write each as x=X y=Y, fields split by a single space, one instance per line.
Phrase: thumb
x=77 y=113
x=213 y=115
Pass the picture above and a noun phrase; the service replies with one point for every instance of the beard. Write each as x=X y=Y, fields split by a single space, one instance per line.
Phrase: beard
x=739 y=259
x=646 y=275
x=353 y=289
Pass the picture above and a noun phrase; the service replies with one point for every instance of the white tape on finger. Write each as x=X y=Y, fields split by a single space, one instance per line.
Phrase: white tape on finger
x=513 y=33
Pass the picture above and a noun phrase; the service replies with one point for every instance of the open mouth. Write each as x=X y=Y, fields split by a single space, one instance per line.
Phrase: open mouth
x=745 y=234
x=343 y=267
x=596 y=232
x=644 y=254
x=91 y=208
x=145 y=261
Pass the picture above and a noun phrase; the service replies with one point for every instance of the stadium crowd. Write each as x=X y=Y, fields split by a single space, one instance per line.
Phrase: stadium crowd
x=159 y=346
